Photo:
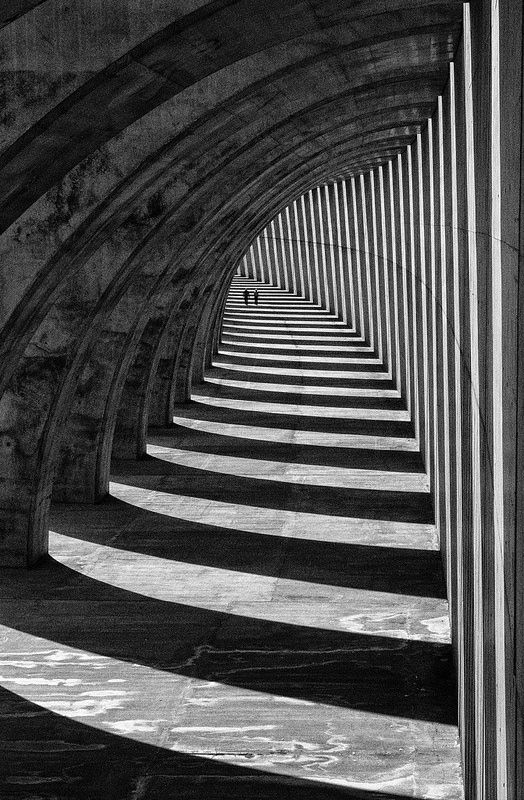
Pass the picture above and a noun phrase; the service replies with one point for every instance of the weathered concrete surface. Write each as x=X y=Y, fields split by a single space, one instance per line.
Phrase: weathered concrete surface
x=225 y=622
x=144 y=150
x=169 y=168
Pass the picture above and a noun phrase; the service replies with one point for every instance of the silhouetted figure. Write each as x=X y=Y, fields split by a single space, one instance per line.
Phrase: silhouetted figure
x=246 y=296
x=255 y=297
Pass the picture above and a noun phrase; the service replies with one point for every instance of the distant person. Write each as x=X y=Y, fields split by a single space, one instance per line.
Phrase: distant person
x=255 y=297
x=246 y=296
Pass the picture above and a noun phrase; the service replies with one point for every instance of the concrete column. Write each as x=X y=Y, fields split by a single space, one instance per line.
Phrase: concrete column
x=366 y=255
x=442 y=373
x=130 y=434
x=299 y=248
x=454 y=399
x=507 y=259
x=376 y=291
x=213 y=339
x=398 y=193
x=275 y=253
x=330 y=249
x=290 y=238
x=387 y=278
x=361 y=259
x=313 y=249
x=160 y=410
x=307 y=252
x=419 y=273
x=349 y=251
x=287 y=255
x=376 y=288
x=471 y=646
x=261 y=264
x=409 y=216
x=395 y=268
x=321 y=250
x=431 y=303
x=343 y=254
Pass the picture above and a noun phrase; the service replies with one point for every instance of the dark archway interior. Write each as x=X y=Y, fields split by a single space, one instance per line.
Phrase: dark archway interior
x=308 y=510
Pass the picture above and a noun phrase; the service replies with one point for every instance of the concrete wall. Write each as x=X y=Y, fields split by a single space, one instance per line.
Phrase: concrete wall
x=147 y=151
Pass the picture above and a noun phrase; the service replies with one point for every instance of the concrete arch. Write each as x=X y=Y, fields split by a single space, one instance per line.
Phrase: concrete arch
x=348 y=153
x=94 y=486
x=32 y=303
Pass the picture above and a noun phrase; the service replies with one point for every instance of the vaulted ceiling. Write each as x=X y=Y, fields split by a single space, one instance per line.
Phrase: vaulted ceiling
x=145 y=145
x=147 y=105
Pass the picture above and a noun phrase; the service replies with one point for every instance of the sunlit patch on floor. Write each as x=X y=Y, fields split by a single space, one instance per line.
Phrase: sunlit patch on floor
x=261 y=596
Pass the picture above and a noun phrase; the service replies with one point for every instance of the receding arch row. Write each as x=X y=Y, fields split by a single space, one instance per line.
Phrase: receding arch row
x=430 y=236
x=167 y=63
x=147 y=197
x=123 y=251
x=337 y=246
x=85 y=394
x=101 y=252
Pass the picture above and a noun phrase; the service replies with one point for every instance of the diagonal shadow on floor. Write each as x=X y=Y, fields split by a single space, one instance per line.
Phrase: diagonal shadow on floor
x=96 y=765
x=290 y=453
x=264 y=419
x=400 y=677
x=309 y=398
x=359 y=503
x=417 y=572
x=277 y=619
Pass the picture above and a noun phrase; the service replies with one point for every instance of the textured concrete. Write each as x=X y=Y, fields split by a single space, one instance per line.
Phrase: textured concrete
x=235 y=618
x=365 y=156
x=142 y=151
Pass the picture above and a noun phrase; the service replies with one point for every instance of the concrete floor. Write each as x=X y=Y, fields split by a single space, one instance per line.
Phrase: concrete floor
x=258 y=610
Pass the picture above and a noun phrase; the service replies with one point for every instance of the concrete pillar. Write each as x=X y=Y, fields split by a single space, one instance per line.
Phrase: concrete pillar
x=330 y=253
x=376 y=287
x=343 y=255
x=307 y=252
x=411 y=258
x=430 y=299
x=299 y=251
x=401 y=269
x=364 y=235
x=349 y=254
x=420 y=308
x=387 y=278
x=160 y=408
x=443 y=367
x=395 y=270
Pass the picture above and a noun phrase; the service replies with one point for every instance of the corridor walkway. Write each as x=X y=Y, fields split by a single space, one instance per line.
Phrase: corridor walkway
x=258 y=610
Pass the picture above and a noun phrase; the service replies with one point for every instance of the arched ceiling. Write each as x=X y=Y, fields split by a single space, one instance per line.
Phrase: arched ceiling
x=88 y=77
x=143 y=146
x=106 y=105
